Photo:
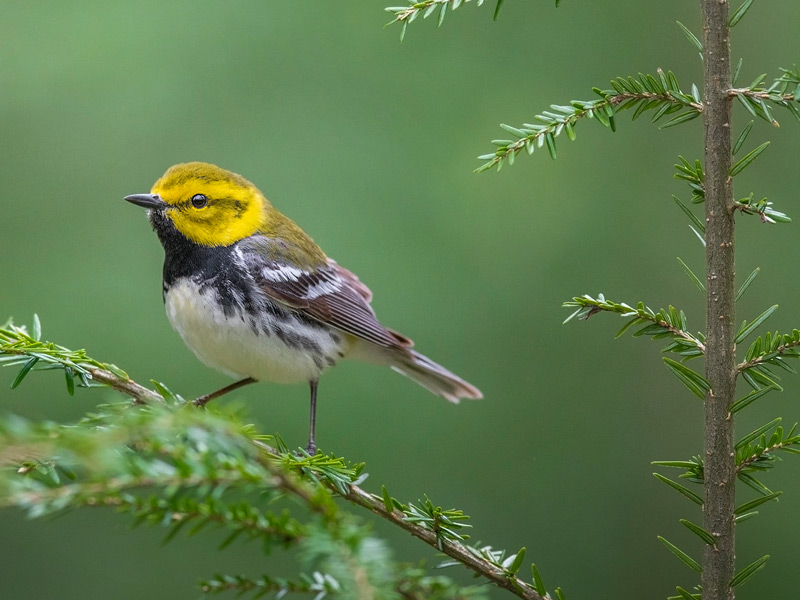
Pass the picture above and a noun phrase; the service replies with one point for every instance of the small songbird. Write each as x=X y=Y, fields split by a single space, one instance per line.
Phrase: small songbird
x=253 y=296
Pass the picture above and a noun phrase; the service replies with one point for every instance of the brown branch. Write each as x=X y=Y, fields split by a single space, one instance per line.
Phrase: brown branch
x=720 y=457
x=139 y=393
x=355 y=495
x=459 y=552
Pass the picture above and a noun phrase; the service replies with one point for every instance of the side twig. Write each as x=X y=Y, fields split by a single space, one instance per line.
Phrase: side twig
x=355 y=495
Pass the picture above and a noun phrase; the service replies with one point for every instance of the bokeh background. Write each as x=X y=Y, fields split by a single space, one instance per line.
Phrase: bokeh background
x=370 y=144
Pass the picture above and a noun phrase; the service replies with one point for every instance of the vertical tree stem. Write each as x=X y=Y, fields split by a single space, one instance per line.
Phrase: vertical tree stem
x=720 y=476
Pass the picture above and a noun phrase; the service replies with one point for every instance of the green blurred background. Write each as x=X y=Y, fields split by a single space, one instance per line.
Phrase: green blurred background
x=369 y=144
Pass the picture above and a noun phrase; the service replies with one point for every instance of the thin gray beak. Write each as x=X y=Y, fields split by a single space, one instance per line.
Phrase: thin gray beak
x=151 y=201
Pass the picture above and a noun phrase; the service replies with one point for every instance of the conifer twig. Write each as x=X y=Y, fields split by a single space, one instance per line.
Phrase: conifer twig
x=768 y=450
x=760 y=359
x=356 y=495
x=455 y=550
x=139 y=393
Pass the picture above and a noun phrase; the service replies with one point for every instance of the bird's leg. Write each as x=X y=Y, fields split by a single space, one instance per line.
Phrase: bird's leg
x=203 y=400
x=311 y=448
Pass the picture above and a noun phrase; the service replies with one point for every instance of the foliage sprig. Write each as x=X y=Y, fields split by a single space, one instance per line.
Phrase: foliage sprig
x=408 y=14
x=664 y=323
x=693 y=174
x=445 y=523
x=127 y=456
x=783 y=92
x=772 y=349
x=660 y=93
x=18 y=347
x=318 y=584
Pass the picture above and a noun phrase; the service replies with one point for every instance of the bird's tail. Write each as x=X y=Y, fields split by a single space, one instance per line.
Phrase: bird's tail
x=432 y=376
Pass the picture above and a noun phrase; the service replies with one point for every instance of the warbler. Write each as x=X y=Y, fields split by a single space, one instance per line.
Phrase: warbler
x=253 y=296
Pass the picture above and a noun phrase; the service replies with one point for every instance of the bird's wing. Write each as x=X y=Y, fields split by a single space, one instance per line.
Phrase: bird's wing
x=329 y=293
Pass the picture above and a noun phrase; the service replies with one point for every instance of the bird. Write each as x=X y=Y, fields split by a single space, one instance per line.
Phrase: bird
x=253 y=296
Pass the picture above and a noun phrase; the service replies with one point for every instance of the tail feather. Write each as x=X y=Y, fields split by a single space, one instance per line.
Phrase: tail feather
x=434 y=377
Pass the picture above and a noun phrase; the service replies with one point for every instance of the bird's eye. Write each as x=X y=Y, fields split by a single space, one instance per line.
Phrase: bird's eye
x=199 y=200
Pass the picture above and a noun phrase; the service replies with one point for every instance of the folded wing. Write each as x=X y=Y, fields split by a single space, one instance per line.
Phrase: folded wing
x=335 y=296
x=328 y=293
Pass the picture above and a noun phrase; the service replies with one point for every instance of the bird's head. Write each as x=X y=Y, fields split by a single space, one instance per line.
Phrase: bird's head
x=207 y=204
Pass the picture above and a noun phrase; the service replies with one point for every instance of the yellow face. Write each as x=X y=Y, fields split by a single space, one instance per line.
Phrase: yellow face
x=209 y=205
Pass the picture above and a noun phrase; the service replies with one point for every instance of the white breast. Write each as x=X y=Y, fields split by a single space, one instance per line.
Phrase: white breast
x=282 y=348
